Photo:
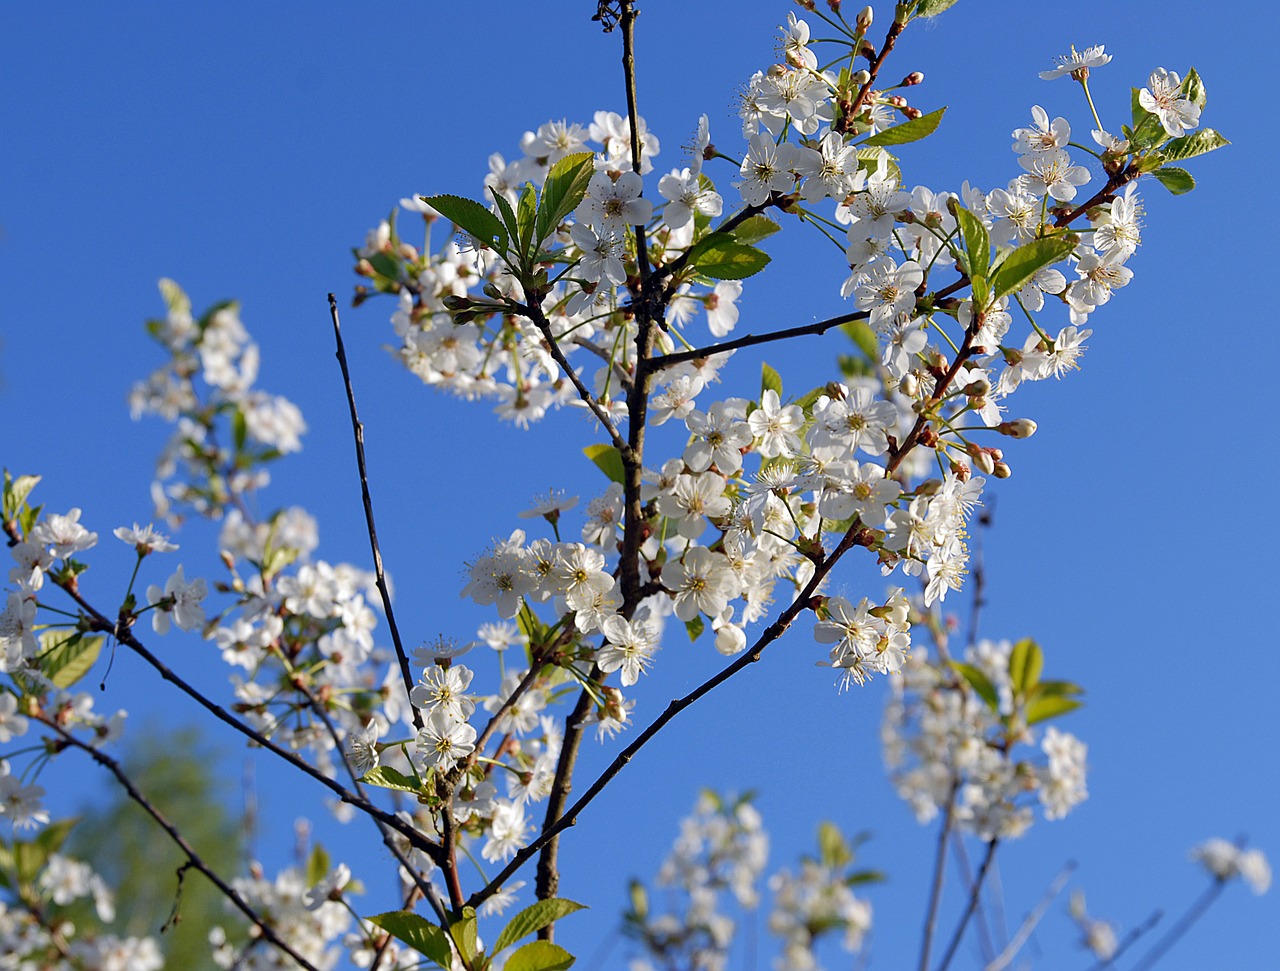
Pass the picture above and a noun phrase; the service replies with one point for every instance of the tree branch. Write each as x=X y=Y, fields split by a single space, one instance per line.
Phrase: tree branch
x=974 y=895
x=1032 y=920
x=939 y=869
x=358 y=429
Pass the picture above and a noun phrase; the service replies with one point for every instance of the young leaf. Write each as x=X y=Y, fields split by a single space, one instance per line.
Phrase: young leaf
x=1026 y=661
x=754 y=228
x=721 y=257
x=908 y=131
x=534 y=918
x=976 y=243
x=508 y=216
x=979 y=682
x=1044 y=708
x=563 y=189
x=317 y=865
x=1189 y=146
x=695 y=627
x=388 y=778
x=770 y=380
x=539 y=956
x=1147 y=128
x=860 y=333
x=832 y=847
x=931 y=8
x=65 y=660
x=526 y=215
x=1176 y=180
x=471 y=217
x=419 y=933
x=464 y=937
x=1025 y=262
x=1192 y=88
x=607 y=459
x=16 y=492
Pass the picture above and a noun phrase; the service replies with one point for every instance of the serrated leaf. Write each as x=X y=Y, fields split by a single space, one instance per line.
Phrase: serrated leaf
x=806 y=402
x=721 y=257
x=386 y=777
x=64 y=660
x=317 y=865
x=1148 y=130
x=16 y=492
x=832 y=848
x=980 y=683
x=977 y=243
x=539 y=956
x=909 y=131
x=695 y=628
x=607 y=459
x=526 y=217
x=770 y=380
x=419 y=933
x=1189 y=146
x=471 y=217
x=1025 y=262
x=931 y=8
x=1050 y=706
x=1176 y=180
x=1192 y=88
x=562 y=191
x=534 y=918
x=754 y=228
x=463 y=933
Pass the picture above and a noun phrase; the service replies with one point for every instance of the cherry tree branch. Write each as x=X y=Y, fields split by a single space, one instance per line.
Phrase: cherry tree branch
x=1184 y=924
x=975 y=894
x=1032 y=920
x=939 y=869
x=193 y=858
x=357 y=429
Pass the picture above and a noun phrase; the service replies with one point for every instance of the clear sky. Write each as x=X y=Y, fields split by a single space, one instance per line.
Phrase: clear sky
x=244 y=149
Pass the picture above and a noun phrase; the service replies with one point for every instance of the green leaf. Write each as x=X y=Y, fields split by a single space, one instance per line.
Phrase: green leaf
x=463 y=933
x=1050 y=706
x=608 y=459
x=1189 y=146
x=865 y=876
x=526 y=216
x=1176 y=180
x=908 y=131
x=539 y=956
x=471 y=217
x=806 y=402
x=833 y=849
x=388 y=778
x=65 y=660
x=175 y=298
x=977 y=243
x=980 y=684
x=1025 y=262
x=317 y=865
x=1026 y=661
x=1192 y=88
x=860 y=332
x=1057 y=689
x=563 y=190
x=770 y=380
x=639 y=900
x=721 y=257
x=754 y=228
x=1147 y=127
x=507 y=213
x=16 y=492
x=931 y=8
x=419 y=933
x=534 y=918
x=695 y=628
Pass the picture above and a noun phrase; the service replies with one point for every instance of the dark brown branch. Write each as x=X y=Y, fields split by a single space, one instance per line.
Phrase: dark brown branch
x=193 y=858
x=750 y=340
x=358 y=429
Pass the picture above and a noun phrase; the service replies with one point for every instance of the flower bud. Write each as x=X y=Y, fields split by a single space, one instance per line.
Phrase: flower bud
x=913 y=113
x=865 y=16
x=364 y=268
x=408 y=252
x=977 y=388
x=909 y=385
x=915 y=77
x=835 y=6
x=1002 y=470
x=860 y=77
x=1018 y=428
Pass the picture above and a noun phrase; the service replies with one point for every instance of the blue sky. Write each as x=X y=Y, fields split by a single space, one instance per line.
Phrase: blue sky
x=243 y=149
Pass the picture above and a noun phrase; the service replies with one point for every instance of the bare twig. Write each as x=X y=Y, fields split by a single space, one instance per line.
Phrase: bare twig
x=1130 y=939
x=939 y=869
x=358 y=429
x=974 y=895
x=980 y=915
x=750 y=340
x=193 y=858
x=1031 y=921
x=1184 y=924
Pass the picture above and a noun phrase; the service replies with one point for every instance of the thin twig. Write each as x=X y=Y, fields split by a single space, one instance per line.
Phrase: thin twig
x=1130 y=939
x=974 y=895
x=194 y=858
x=939 y=869
x=358 y=429
x=1184 y=924
x=980 y=916
x=1032 y=920
x=750 y=340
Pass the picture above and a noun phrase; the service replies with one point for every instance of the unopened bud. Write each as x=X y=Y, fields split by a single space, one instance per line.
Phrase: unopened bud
x=915 y=77
x=408 y=252
x=1018 y=428
x=909 y=385
x=977 y=388
x=835 y=6
x=982 y=458
x=913 y=113
x=807 y=4
x=860 y=77
x=1002 y=470
x=364 y=268
x=865 y=16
